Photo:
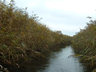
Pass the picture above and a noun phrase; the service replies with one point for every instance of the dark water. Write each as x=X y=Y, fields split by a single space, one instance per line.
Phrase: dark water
x=63 y=61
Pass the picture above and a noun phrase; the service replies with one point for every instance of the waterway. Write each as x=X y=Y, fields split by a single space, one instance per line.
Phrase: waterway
x=63 y=61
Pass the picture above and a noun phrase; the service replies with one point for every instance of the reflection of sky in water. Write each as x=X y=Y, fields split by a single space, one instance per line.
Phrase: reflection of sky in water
x=64 y=62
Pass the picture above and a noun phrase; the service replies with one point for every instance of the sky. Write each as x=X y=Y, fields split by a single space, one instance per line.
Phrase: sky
x=68 y=16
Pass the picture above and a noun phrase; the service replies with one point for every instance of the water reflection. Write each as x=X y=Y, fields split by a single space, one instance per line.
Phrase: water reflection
x=63 y=62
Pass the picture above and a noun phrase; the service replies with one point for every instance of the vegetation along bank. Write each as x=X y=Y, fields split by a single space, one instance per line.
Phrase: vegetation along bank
x=84 y=44
x=24 y=42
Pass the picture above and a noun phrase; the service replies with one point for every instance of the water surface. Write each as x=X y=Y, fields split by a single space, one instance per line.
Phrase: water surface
x=63 y=61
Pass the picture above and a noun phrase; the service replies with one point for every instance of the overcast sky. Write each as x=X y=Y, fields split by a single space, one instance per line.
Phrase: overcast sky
x=68 y=16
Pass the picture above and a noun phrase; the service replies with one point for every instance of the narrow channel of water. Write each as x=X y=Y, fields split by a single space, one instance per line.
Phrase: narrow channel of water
x=63 y=61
